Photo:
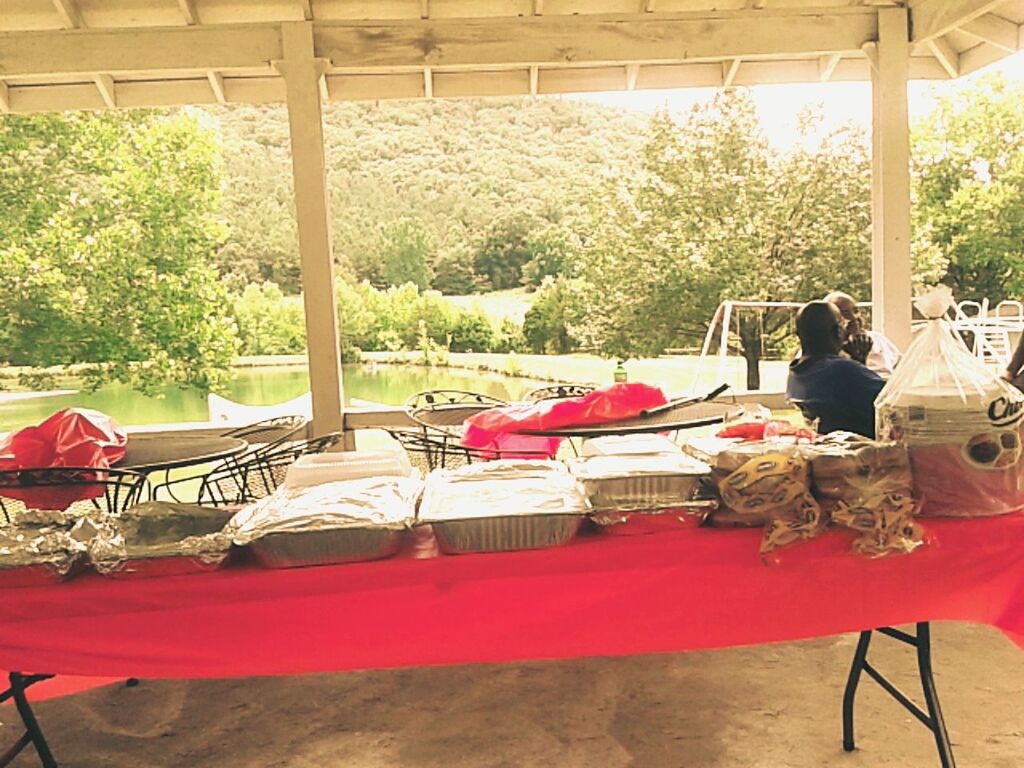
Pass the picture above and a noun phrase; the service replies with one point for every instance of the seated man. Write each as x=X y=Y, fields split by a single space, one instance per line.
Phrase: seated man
x=837 y=390
x=882 y=355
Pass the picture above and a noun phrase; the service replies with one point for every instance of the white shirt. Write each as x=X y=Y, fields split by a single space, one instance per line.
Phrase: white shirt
x=884 y=355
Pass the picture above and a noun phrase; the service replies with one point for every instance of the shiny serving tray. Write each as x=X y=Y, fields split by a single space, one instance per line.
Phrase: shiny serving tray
x=505 y=534
x=327 y=547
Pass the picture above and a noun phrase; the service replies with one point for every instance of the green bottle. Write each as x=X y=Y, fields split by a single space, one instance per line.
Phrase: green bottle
x=620 y=373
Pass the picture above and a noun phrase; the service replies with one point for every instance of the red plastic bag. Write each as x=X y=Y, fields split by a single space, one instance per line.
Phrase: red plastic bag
x=73 y=437
x=496 y=429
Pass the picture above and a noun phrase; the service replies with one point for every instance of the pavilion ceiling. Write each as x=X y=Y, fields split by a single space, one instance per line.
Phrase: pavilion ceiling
x=91 y=54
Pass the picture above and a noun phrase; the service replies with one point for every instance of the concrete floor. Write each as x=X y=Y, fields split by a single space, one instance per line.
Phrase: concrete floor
x=765 y=707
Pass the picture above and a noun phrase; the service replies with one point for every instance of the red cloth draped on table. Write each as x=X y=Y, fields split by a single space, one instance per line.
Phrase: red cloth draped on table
x=73 y=437
x=496 y=429
x=600 y=596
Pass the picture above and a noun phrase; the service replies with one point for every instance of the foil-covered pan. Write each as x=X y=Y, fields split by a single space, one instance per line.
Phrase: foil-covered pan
x=34 y=555
x=503 y=505
x=343 y=521
x=641 y=522
x=639 y=481
x=159 y=538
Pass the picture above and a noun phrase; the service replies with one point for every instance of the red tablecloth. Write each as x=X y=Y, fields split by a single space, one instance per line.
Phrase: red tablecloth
x=690 y=589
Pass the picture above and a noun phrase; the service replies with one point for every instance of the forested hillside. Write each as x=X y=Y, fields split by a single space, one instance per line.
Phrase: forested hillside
x=423 y=191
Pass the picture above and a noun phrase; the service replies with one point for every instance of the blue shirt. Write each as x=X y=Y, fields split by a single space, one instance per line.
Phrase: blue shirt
x=839 y=391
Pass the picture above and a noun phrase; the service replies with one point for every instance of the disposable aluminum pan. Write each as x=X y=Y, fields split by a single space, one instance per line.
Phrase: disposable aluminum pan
x=343 y=521
x=641 y=481
x=503 y=505
x=32 y=555
x=160 y=539
x=330 y=547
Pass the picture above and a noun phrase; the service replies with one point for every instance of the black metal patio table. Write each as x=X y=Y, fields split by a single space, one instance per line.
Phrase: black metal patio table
x=157 y=452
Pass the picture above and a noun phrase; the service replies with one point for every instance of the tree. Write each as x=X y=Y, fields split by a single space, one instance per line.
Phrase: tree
x=546 y=327
x=713 y=213
x=505 y=250
x=405 y=250
x=268 y=322
x=106 y=247
x=552 y=250
x=969 y=184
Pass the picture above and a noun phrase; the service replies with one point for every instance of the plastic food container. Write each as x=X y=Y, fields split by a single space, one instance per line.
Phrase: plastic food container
x=639 y=481
x=346 y=465
x=616 y=445
x=344 y=521
x=505 y=505
x=160 y=539
x=31 y=555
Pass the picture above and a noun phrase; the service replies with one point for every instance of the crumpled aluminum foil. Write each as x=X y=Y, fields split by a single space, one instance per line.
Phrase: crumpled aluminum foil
x=29 y=545
x=638 y=465
x=380 y=502
x=155 y=529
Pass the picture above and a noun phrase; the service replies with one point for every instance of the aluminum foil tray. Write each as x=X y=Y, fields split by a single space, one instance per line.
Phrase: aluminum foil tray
x=503 y=505
x=639 y=482
x=328 y=547
x=160 y=539
x=340 y=521
x=504 y=534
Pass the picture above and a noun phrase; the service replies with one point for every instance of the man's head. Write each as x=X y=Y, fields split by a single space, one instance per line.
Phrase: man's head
x=818 y=324
x=848 y=311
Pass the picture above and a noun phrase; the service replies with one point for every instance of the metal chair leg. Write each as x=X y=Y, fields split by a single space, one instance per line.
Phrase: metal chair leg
x=33 y=733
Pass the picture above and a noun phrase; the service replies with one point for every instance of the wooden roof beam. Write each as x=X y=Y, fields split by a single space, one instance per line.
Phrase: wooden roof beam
x=534 y=79
x=729 y=70
x=5 y=98
x=485 y=43
x=945 y=54
x=428 y=83
x=105 y=85
x=646 y=6
x=69 y=13
x=994 y=30
x=827 y=66
x=188 y=11
x=538 y=7
x=424 y=9
x=306 y=6
x=217 y=86
x=934 y=18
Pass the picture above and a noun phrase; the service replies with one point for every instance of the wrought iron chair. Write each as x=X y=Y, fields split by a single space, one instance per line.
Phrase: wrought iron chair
x=70 y=492
x=558 y=392
x=252 y=476
x=269 y=432
x=437 y=441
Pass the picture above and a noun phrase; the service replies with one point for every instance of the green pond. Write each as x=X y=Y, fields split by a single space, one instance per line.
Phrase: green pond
x=387 y=384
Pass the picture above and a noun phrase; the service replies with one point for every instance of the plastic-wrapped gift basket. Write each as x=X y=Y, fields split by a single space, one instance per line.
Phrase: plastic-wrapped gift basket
x=960 y=422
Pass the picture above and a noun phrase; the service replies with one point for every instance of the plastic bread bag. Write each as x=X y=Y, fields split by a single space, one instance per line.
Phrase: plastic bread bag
x=850 y=468
x=884 y=524
x=960 y=422
x=728 y=457
x=777 y=487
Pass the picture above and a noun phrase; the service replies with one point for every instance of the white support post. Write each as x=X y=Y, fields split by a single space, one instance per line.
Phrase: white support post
x=302 y=72
x=890 y=180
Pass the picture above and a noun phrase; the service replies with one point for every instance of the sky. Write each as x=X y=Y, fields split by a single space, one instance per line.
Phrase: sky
x=778 y=105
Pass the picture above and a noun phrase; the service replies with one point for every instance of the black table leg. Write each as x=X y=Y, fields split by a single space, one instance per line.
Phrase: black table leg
x=19 y=683
x=932 y=719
